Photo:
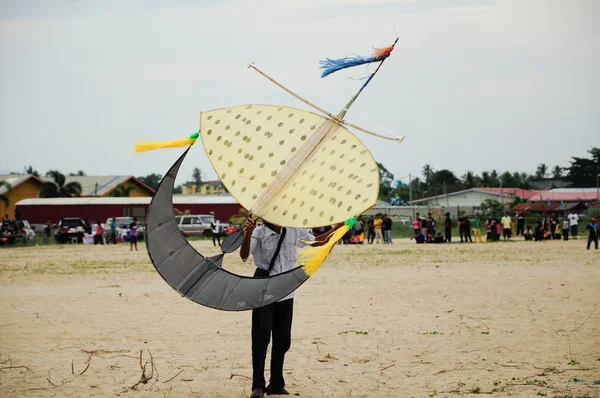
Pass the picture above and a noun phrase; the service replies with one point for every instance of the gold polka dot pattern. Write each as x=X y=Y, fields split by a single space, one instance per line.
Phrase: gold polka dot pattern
x=250 y=145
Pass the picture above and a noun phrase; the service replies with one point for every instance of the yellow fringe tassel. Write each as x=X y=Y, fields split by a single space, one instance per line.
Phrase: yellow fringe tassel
x=148 y=146
x=312 y=257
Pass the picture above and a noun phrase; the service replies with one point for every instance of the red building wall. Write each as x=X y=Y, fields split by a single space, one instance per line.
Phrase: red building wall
x=40 y=214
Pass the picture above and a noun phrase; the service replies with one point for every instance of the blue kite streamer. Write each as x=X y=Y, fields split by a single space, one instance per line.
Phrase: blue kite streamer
x=333 y=65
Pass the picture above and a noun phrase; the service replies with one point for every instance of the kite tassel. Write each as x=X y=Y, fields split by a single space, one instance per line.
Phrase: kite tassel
x=151 y=145
x=312 y=257
x=333 y=65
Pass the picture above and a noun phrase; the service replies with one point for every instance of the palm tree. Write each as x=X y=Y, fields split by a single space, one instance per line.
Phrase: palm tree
x=197 y=178
x=557 y=172
x=58 y=188
x=3 y=197
x=30 y=170
x=542 y=171
x=470 y=179
x=427 y=172
x=121 y=191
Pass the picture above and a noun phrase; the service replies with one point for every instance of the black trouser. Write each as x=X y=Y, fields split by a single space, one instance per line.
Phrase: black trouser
x=216 y=237
x=566 y=233
x=371 y=235
x=448 y=234
x=592 y=238
x=506 y=232
x=466 y=234
x=276 y=317
x=574 y=231
x=520 y=229
x=98 y=239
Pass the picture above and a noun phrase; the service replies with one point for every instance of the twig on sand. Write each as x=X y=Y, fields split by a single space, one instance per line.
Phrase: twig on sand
x=16 y=367
x=238 y=375
x=144 y=378
x=180 y=372
x=586 y=319
x=458 y=367
x=387 y=367
x=477 y=320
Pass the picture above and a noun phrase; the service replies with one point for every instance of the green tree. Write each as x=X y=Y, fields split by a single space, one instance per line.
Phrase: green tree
x=3 y=197
x=427 y=173
x=583 y=171
x=492 y=207
x=470 y=179
x=152 y=180
x=557 y=172
x=385 y=182
x=79 y=173
x=197 y=177
x=30 y=170
x=542 y=171
x=178 y=189
x=508 y=180
x=57 y=188
x=121 y=191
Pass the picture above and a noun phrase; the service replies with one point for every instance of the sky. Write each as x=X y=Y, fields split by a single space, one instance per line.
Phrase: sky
x=472 y=84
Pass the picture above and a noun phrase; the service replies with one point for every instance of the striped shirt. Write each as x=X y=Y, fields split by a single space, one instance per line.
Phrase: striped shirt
x=264 y=243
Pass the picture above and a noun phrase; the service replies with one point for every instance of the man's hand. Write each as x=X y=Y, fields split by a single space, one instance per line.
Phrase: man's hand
x=248 y=229
x=249 y=225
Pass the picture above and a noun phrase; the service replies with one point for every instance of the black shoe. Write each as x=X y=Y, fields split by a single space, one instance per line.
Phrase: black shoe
x=280 y=391
x=257 y=393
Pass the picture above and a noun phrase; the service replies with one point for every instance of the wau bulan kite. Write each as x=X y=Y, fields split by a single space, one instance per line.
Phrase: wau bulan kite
x=290 y=167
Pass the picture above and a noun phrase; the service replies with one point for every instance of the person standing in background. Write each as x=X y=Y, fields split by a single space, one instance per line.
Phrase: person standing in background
x=477 y=228
x=377 y=225
x=507 y=226
x=565 y=229
x=520 y=224
x=133 y=235
x=98 y=239
x=113 y=231
x=371 y=230
x=448 y=229
x=573 y=223
x=592 y=227
x=386 y=228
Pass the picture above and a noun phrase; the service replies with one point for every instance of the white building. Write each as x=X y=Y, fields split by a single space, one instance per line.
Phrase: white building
x=472 y=198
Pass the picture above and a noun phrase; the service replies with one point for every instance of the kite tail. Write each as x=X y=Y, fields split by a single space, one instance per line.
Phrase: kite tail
x=312 y=257
x=149 y=146
x=333 y=65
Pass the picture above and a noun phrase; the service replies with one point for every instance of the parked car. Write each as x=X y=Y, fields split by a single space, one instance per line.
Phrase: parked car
x=195 y=224
x=123 y=224
x=69 y=228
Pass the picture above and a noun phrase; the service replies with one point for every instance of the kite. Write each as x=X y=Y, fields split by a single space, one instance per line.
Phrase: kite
x=288 y=166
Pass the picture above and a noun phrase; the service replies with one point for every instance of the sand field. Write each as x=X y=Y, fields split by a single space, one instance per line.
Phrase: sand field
x=507 y=319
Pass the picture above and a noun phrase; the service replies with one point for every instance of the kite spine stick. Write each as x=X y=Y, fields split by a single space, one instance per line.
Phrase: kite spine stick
x=349 y=104
x=323 y=111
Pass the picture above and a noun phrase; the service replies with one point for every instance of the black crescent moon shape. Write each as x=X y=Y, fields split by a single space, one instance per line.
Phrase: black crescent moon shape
x=201 y=279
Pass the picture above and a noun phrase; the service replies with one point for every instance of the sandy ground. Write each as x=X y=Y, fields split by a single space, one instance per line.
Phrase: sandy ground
x=512 y=319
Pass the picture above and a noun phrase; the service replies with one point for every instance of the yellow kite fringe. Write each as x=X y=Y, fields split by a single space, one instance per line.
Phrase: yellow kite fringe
x=312 y=257
x=148 y=146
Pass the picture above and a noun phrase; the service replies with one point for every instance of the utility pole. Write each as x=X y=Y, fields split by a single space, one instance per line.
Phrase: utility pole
x=410 y=189
x=446 y=194
x=96 y=190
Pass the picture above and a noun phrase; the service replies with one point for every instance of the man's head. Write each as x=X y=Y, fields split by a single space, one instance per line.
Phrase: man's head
x=505 y=214
x=429 y=215
x=385 y=216
x=417 y=215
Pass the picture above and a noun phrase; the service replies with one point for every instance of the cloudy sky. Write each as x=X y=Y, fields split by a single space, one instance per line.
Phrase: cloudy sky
x=472 y=84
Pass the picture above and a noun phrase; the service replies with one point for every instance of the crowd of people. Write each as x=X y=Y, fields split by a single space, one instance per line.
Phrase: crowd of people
x=547 y=227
